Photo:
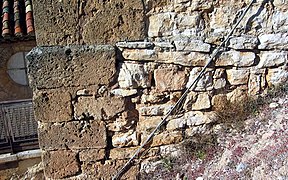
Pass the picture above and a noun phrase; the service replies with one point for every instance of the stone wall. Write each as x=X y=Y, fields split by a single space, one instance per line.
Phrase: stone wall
x=96 y=104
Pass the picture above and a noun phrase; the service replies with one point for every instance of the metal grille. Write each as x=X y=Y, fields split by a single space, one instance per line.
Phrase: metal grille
x=17 y=124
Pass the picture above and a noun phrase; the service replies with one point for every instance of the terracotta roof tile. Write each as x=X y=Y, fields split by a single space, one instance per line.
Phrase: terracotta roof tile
x=17 y=20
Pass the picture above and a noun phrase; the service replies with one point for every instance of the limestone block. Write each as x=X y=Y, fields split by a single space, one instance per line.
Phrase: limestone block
x=129 y=138
x=170 y=79
x=277 y=76
x=238 y=95
x=139 y=54
x=91 y=155
x=99 y=108
x=219 y=73
x=219 y=83
x=272 y=58
x=147 y=123
x=70 y=66
x=183 y=58
x=52 y=105
x=161 y=24
x=185 y=20
x=135 y=45
x=164 y=138
x=124 y=121
x=205 y=82
x=243 y=42
x=195 y=101
x=196 y=118
x=155 y=110
x=108 y=169
x=153 y=97
x=124 y=92
x=236 y=58
x=133 y=75
x=125 y=153
x=74 y=135
x=186 y=44
x=78 y=22
x=273 y=41
x=174 y=124
x=237 y=76
x=257 y=81
x=60 y=164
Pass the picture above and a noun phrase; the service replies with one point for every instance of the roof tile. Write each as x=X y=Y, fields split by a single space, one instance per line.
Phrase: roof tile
x=17 y=20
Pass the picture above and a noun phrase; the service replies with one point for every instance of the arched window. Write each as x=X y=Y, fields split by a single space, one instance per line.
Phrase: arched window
x=17 y=69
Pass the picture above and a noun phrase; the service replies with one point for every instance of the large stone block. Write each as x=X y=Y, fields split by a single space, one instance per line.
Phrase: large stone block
x=109 y=169
x=237 y=76
x=99 y=108
x=52 y=105
x=53 y=67
x=88 y=22
x=272 y=58
x=56 y=22
x=134 y=75
x=60 y=164
x=170 y=79
x=91 y=155
x=74 y=135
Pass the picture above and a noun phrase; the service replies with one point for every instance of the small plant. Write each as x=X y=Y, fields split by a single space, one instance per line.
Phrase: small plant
x=167 y=163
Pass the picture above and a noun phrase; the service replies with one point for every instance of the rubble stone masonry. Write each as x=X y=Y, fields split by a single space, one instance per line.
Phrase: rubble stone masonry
x=96 y=104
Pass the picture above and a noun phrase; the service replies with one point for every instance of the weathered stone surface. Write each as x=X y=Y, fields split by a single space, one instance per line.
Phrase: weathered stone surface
x=204 y=83
x=272 y=58
x=164 y=138
x=78 y=22
x=64 y=17
x=74 y=135
x=124 y=121
x=277 y=76
x=237 y=77
x=243 y=42
x=236 y=58
x=188 y=20
x=174 y=124
x=135 y=45
x=147 y=123
x=91 y=155
x=170 y=79
x=219 y=73
x=161 y=24
x=60 y=164
x=238 y=95
x=134 y=75
x=108 y=170
x=119 y=20
x=139 y=54
x=195 y=101
x=219 y=83
x=196 y=118
x=52 y=105
x=186 y=44
x=53 y=67
x=183 y=58
x=155 y=110
x=124 y=92
x=99 y=108
x=257 y=81
x=125 y=153
x=273 y=41
x=129 y=138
